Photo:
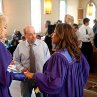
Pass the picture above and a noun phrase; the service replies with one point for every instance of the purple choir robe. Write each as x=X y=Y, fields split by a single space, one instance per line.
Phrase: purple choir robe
x=5 y=76
x=62 y=76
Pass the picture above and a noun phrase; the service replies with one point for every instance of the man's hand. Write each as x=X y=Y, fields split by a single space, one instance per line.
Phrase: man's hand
x=11 y=65
x=28 y=74
x=12 y=62
x=24 y=70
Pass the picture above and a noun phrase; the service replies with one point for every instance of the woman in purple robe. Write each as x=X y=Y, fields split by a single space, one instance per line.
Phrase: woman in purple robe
x=65 y=73
x=5 y=60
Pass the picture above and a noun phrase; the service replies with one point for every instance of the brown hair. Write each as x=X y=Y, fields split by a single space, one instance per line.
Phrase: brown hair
x=68 y=40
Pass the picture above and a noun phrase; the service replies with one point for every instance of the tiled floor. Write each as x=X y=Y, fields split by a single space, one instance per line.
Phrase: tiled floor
x=90 y=89
x=91 y=86
x=92 y=82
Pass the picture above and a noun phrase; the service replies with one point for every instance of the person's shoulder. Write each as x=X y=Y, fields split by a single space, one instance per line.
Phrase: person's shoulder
x=57 y=55
x=91 y=30
x=41 y=42
x=96 y=34
x=22 y=43
x=58 y=58
x=81 y=27
x=2 y=47
x=83 y=57
x=95 y=25
x=1 y=44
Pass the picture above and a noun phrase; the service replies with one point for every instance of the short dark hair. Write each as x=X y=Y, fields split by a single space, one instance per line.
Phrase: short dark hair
x=75 y=26
x=86 y=20
x=95 y=21
x=48 y=22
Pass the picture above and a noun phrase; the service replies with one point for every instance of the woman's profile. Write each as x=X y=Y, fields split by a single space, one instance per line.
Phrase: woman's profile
x=66 y=72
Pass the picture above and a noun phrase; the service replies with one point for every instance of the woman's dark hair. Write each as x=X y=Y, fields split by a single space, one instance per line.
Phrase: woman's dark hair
x=86 y=20
x=68 y=40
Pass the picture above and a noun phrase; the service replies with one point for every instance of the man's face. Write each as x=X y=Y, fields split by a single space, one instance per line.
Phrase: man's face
x=87 y=23
x=30 y=35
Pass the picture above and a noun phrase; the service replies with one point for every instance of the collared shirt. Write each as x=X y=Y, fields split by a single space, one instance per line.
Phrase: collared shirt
x=21 y=55
x=79 y=38
x=86 y=37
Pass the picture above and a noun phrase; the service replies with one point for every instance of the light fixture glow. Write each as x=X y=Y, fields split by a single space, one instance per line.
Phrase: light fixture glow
x=47 y=6
x=90 y=9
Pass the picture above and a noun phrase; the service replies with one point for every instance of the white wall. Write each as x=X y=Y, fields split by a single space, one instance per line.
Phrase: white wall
x=18 y=13
x=53 y=17
x=72 y=9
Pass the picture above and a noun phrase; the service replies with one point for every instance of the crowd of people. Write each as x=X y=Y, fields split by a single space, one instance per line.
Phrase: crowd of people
x=59 y=72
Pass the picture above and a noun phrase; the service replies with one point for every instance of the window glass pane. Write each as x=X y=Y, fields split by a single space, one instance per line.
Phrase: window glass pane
x=36 y=15
x=62 y=10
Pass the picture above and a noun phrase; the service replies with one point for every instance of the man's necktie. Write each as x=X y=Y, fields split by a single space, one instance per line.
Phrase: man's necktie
x=86 y=31
x=88 y=35
x=32 y=60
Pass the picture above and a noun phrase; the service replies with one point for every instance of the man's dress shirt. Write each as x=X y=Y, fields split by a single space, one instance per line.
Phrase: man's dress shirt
x=21 y=55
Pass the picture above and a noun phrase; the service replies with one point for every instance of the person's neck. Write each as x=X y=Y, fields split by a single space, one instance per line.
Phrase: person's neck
x=31 y=42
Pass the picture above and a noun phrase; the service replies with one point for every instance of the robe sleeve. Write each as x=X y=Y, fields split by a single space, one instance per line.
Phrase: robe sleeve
x=18 y=76
x=53 y=77
x=9 y=78
x=85 y=69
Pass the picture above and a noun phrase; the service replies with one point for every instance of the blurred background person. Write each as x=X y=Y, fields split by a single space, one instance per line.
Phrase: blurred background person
x=13 y=44
x=87 y=36
x=58 y=22
x=17 y=34
x=76 y=30
x=69 y=19
x=47 y=23
x=50 y=29
x=22 y=39
x=95 y=32
x=95 y=26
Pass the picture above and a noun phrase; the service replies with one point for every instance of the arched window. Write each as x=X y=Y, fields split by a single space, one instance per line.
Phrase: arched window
x=92 y=15
x=62 y=10
x=36 y=15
